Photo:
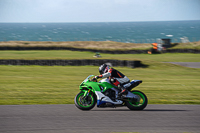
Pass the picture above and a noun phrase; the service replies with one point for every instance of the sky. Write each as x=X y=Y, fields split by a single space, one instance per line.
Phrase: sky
x=43 y=11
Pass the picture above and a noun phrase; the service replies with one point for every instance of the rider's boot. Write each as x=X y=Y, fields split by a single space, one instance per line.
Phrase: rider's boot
x=124 y=91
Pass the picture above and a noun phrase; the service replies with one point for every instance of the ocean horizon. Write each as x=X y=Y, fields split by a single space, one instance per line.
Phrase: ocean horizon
x=129 y=32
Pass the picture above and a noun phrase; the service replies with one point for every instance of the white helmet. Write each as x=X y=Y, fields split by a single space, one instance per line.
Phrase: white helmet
x=103 y=69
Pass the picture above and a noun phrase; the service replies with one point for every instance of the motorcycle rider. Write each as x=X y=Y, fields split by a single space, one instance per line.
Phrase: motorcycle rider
x=116 y=78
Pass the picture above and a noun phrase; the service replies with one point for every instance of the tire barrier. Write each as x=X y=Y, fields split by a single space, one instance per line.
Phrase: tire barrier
x=83 y=62
x=196 y=51
x=76 y=49
x=101 y=51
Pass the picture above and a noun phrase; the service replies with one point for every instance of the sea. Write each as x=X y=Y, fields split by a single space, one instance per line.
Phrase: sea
x=129 y=32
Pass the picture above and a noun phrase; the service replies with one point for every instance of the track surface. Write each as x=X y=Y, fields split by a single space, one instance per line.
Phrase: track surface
x=67 y=118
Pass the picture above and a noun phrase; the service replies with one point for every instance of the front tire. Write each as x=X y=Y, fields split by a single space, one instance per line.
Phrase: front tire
x=139 y=105
x=84 y=103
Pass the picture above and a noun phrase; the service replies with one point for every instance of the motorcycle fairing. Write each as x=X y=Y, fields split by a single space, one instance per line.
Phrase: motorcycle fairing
x=101 y=99
x=105 y=83
x=133 y=84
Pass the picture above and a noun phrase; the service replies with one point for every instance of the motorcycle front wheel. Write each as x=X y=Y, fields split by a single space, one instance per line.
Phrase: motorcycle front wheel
x=137 y=105
x=84 y=103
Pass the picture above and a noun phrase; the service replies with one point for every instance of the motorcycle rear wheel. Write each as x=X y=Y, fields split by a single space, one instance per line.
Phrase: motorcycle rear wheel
x=139 y=105
x=84 y=103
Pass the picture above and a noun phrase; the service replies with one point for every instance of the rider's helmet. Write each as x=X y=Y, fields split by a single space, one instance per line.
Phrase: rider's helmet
x=103 y=69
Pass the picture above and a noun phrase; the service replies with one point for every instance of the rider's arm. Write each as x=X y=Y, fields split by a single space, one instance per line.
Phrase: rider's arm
x=105 y=75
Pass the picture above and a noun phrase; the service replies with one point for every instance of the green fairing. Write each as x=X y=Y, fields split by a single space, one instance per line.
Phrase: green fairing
x=106 y=86
x=95 y=86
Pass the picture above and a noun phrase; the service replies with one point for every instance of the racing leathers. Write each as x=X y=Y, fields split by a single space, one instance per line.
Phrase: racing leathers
x=116 y=78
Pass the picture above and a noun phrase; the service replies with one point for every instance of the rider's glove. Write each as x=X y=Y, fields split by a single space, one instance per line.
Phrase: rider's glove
x=96 y=77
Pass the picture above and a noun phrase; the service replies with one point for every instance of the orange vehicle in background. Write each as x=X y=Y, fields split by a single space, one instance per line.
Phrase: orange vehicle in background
x=160 y=46
x=154 y=49
x=157 y=48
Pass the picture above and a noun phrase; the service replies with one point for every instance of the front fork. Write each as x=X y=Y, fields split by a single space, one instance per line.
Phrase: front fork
x=86 y=93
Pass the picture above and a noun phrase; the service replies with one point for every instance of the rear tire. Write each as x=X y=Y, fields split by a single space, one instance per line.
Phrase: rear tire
x=85 y=103
x=141 y=104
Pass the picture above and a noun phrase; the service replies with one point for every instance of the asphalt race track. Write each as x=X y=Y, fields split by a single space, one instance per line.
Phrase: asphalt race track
x=69 y=119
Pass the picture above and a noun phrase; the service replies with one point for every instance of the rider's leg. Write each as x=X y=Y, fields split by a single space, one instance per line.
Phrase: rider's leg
x=122 y=91
x=124 y=83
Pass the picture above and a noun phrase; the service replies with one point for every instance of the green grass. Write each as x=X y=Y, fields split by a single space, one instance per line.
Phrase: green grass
x=163 y=83
x=108 y=45
x=61 y=54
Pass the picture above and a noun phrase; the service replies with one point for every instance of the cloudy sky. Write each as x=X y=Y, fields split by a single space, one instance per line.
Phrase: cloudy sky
x=98 y=10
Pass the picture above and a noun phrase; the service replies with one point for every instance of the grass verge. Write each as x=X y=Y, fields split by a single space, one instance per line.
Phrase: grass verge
x=163 y=83
x=99 y=45
x=65 y=54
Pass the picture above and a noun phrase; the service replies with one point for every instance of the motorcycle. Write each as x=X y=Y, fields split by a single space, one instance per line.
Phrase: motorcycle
x=105 y=94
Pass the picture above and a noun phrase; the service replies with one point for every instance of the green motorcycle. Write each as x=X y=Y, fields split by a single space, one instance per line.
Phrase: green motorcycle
x=105 y=95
